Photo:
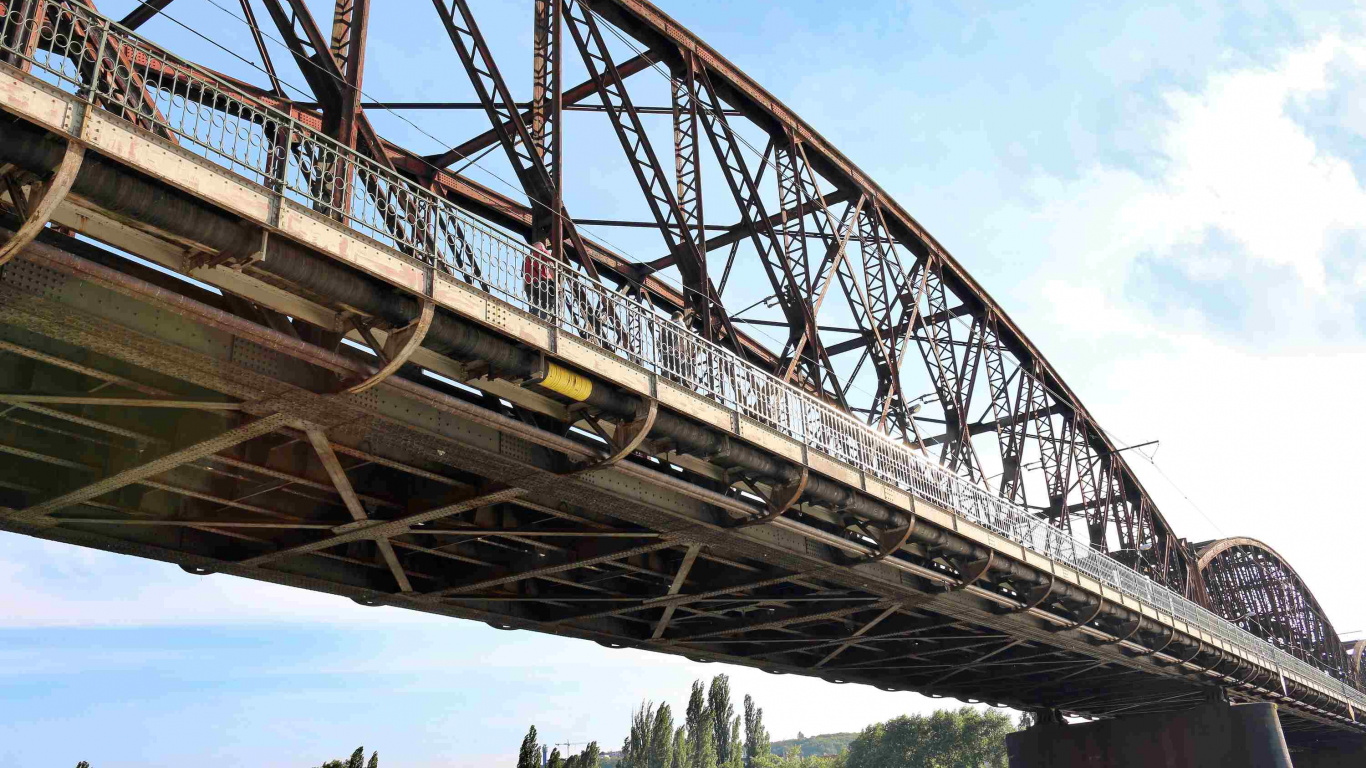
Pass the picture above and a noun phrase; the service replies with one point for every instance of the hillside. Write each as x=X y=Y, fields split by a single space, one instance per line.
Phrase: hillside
x=815 y=746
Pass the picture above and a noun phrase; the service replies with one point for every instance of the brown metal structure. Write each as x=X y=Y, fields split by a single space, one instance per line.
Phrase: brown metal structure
x=234 y=432
x=1353 y=652
x=1251 y=585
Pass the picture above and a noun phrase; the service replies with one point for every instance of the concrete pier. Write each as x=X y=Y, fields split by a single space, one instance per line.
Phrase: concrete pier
x=1211 y=736
x=1344 y=754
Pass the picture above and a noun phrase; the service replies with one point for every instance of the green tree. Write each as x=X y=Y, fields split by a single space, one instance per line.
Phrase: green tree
x=757 y=742
x=679 y=758
x=702 y=752
x=590 y=756
x=357 y=758
x=530 y=754
x=718 y=701
x=737 y=757
x=374 y=760
x=701 y=739
x=637 y=750
x=554 y=761
x=697 y=704
x=963 y=738
x=660 y=752
x=82 y=764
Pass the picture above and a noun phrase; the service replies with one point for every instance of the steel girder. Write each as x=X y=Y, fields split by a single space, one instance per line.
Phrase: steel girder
x=401 y=497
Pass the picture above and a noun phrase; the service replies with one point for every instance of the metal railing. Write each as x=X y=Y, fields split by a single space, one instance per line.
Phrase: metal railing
x=114 y=69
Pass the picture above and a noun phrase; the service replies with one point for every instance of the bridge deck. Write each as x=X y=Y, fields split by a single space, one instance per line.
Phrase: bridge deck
x=463 y=499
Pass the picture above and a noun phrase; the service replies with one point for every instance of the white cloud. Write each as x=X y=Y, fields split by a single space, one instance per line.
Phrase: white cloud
x=1258 y=421
x=1237 y=163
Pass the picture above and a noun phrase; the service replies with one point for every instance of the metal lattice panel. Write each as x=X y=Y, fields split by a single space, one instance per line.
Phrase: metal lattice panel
x=1252 y=586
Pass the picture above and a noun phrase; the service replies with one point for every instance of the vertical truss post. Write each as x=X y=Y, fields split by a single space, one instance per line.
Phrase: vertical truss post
x=350 y=22
x=801 y=189
x=547 y=112
x=952 y=383
x=726 y=146
x=1056 y=457
x=834 y=234
x=792 y=237
x=315 y=57
x=892 y=312
x=512 y=131
x=625 y=119
x=967 y=382
x=799 y=197
x=1053 y=457
x=1006 y=412
x=688 y=170
x=1088 y=464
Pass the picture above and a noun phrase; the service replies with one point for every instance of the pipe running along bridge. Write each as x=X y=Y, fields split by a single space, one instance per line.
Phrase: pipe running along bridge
x=392 y=383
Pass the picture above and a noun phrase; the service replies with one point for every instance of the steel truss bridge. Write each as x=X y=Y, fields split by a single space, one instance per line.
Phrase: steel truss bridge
x=395 y=384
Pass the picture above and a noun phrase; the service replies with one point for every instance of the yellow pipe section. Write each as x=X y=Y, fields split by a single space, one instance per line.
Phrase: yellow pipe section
x=566 y=382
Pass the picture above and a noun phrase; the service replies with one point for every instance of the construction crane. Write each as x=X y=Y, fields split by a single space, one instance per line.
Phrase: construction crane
x=545 y=749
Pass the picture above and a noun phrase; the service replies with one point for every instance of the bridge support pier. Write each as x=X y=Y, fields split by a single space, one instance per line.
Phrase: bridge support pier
x=1344 y=755
x=1214 y=735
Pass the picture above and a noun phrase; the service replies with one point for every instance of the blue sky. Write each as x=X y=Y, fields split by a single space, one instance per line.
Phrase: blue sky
x=1166 y=197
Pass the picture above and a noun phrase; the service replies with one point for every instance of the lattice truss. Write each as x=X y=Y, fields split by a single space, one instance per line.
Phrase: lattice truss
x=797 y=261
x=1252 y=586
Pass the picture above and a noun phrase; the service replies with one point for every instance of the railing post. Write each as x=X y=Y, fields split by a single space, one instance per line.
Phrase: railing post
x=99 y=56
x=559 y=298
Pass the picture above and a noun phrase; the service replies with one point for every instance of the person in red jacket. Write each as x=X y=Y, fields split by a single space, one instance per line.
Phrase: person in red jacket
x=538 y=274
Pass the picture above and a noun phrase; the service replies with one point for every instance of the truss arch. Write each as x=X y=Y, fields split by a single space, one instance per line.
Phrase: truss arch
x=1251 y=585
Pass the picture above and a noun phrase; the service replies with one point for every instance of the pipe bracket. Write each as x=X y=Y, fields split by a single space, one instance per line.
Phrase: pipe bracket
x=973 y=571
x=1100 y=606
x=627 y=437
x=43 y=200
x=776 y=504
x=397 y=348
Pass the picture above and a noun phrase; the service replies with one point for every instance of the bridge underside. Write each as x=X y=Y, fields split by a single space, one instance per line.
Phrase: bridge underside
x=438 y=497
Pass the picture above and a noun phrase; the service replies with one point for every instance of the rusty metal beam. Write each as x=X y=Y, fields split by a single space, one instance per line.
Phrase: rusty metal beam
x=569 y=97
x=680 y=578
x=156 y=466
x=143 y=13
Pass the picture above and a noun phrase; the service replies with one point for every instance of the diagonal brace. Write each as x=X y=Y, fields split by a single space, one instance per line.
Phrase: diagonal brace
x=342 y=483
x=156 y=466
